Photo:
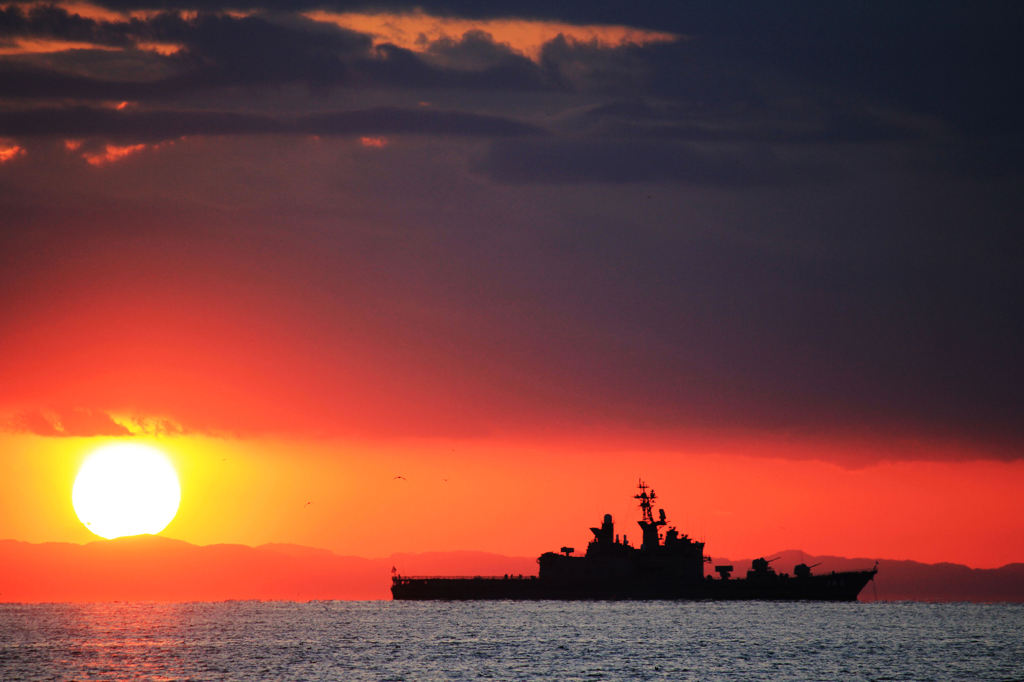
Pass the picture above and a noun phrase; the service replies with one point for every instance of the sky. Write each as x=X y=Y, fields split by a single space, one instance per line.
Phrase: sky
x=520 y=255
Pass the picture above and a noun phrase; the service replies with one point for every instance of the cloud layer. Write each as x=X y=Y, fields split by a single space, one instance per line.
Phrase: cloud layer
x=798 y=219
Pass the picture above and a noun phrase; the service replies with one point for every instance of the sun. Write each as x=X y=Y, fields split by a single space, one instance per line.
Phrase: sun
x=126 y=489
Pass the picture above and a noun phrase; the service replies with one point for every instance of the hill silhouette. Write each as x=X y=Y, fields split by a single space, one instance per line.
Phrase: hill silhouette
x=161 y=569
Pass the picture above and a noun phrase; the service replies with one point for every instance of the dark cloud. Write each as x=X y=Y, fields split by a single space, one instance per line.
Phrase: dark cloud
x=152 y=126
x=848 y=71
x=48 y=21
x=216 y=50
x=799 y=216
x=590 y=66
x=392 y=66
x=224 y=51
x=645 y=13
x=475 y=50
x=228 y=50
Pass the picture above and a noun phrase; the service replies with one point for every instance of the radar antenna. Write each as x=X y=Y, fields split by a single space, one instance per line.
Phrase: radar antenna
x=646 y=501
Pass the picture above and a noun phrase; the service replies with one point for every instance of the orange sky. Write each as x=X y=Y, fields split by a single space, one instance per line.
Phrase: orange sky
x=523 y=500
x=519 y=260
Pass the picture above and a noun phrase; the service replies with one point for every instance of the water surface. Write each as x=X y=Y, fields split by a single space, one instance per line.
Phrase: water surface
x=508 y=640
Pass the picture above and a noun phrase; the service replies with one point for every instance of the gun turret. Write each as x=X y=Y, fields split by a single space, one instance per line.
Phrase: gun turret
x=760 y=566
x=803 y=570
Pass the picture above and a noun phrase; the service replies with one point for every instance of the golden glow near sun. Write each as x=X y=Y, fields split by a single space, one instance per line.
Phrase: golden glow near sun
x=126 y=489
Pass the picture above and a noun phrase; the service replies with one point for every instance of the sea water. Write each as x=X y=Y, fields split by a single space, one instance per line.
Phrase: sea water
x=512 y=640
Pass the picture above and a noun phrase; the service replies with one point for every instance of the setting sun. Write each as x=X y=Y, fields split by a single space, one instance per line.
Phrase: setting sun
x=126 y=489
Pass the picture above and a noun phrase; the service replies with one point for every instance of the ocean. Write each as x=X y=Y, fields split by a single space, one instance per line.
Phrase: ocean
x=512 y=640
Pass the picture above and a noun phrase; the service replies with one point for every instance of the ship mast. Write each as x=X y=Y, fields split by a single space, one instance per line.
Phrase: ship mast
x=645 y=502
x=647 y=524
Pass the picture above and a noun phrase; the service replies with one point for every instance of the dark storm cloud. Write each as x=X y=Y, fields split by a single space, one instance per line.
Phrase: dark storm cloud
x=219 y=50
x=644 y=13
x=161 y=125
x=47 y=21
x=475 y=49
x=709 y=88
x=479 y=62
x=253 y=50
x=797 y=60
x=392 y=66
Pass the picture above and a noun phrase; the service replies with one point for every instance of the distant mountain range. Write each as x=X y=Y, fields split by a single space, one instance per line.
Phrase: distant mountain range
x=161 y=569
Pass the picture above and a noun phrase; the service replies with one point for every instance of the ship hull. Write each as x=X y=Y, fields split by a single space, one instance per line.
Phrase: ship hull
x=843 y=586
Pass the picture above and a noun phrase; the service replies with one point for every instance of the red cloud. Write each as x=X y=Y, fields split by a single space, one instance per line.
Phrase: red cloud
x=112 y=153
x=83 y=422
x=9 y=151
x=76 y=422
